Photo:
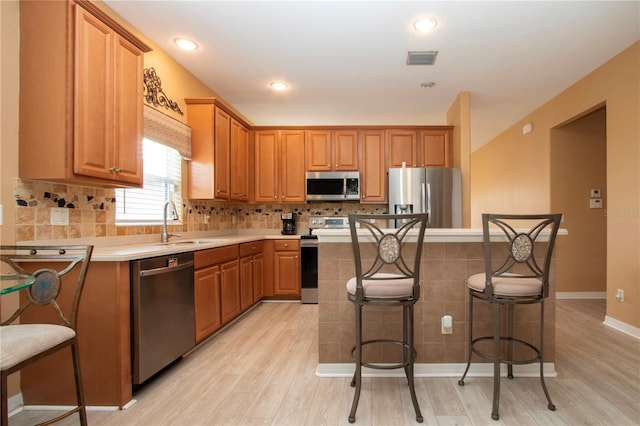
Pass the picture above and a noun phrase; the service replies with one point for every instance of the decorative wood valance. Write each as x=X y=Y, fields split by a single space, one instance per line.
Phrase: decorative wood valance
x=168 y=131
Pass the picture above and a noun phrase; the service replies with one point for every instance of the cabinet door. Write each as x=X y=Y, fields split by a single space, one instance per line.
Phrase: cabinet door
x=93 y=97
x=292 y=166
x=286 y=273
x=318 y=150
x=239 y=166
x=373 y=171
x=207 y=301
x=401 y=147
x=200 y=168
x=435 y=148
x=246 y=282
x=258 y=277
x=229 y=291
x=266 y=165
x=345 y=150
x=129 y=119
x=222 y=145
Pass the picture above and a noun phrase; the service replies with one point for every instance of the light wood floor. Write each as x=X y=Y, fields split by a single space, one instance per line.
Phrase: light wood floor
x=261 y=371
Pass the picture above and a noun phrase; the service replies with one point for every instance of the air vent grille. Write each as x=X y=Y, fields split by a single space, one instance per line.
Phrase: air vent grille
x=422 y=58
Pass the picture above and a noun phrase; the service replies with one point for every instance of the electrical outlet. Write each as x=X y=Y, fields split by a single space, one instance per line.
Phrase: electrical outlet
x=59 y=216
x=620 y=295
x=447 y=324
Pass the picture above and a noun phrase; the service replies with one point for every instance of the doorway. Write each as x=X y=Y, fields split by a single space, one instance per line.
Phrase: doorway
x=579 y=191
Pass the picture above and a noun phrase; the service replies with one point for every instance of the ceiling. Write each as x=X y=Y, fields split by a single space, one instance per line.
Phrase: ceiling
x=345 y=61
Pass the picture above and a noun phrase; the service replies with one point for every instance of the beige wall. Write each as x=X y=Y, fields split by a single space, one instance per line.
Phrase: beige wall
x=512 y=172
x=578 y=164
x=459 y=116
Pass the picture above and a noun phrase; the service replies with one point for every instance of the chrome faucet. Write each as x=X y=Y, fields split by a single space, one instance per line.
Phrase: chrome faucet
x=165 y=235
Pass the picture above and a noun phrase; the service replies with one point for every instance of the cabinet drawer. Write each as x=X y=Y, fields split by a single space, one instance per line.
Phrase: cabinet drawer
x=286 y=245
x=249 y=249
x=212 y=256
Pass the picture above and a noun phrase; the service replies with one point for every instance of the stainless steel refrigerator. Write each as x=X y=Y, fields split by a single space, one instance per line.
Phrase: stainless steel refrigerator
x=437 y=191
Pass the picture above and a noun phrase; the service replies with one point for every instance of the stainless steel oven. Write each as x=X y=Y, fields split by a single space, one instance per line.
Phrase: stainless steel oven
x=309 y=254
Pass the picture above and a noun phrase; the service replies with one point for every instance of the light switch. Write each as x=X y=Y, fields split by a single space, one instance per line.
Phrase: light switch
x=595 y=193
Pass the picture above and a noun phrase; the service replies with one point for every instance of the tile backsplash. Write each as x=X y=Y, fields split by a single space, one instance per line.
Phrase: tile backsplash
x=92 y=213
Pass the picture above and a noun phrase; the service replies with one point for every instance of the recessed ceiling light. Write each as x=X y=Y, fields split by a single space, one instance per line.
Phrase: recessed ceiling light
x=186 y=44
x=427 y=85
x=424 y=25
x=278 y=85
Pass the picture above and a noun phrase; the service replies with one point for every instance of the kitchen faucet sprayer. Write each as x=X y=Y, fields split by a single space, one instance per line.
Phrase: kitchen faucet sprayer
x=165 y=235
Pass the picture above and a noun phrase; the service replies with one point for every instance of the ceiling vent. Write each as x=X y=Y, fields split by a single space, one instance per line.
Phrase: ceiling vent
x=422 y=58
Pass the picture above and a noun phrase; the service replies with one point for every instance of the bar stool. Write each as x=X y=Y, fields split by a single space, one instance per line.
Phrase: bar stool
x=23 y=344
x=517 y=264
x=387 y=275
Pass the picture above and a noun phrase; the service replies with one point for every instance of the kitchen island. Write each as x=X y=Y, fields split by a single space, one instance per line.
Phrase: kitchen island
x=448 y=258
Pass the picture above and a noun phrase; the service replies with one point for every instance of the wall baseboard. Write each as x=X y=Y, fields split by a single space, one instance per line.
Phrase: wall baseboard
x=581 y=295
x=622 y=327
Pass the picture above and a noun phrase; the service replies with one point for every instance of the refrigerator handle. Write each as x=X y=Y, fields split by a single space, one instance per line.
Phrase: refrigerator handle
x=426 y=201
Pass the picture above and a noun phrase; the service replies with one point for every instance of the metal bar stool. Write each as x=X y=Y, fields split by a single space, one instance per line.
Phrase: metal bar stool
x=23 y=344
x=517 y=264
x=387 y=275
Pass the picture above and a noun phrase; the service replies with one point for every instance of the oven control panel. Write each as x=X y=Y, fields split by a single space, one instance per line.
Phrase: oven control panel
x=328 y=222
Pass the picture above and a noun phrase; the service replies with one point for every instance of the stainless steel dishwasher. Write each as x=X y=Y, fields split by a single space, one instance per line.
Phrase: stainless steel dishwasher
x=162 y=313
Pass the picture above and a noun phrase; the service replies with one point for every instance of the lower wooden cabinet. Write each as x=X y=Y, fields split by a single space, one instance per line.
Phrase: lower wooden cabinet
x=251 y=273
x=207 y=296
x=286 y=268
x=229 y=291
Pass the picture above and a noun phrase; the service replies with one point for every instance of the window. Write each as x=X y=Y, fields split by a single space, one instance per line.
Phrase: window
x=162 y=167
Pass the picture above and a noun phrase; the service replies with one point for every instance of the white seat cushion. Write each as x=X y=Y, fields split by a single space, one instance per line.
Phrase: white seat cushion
x=21 y=342
x=390 y=286
x=507 y=285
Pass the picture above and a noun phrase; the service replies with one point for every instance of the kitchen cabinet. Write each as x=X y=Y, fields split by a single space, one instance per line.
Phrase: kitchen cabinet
x=286 y=267
x=332 y=150
x=219 y=163
x=373 y=170
x=207 y=297
x=279 y=166
x=104 y=341
x=422 y=148
x=239 y=166
x=251 y=273
x=229 y=290
x=216 y=299
x=402 y=147
x=83 y=121
x=435 y=148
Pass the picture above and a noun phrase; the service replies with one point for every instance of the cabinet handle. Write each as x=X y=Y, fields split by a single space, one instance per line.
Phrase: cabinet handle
x=283 y=197
x=114 y=170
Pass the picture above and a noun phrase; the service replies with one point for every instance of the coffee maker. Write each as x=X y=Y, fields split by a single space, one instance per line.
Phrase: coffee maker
x=288 y=224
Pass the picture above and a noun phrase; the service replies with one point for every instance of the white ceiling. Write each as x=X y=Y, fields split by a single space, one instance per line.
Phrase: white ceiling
x=345 y=61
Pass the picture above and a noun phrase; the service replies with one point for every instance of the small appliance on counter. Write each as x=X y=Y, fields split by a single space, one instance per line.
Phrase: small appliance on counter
x=288 y=224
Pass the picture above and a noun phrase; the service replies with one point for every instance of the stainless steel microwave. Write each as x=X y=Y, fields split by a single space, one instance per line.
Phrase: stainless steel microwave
x=333 y=186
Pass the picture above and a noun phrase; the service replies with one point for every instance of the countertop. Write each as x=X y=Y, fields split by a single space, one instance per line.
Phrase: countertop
x=122 y=249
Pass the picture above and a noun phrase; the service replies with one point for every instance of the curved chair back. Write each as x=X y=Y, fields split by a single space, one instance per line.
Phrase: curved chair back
x=530 y=240
x=47 y=285
x=382 y=254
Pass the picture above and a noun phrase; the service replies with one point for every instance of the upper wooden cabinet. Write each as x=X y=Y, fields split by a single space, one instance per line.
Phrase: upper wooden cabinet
x=83 y=119
x=279 y=166
x=332 y=150
x=402 y=147
x=373 y=171
x=420 y=148
x=434 y=147
x=219 y=163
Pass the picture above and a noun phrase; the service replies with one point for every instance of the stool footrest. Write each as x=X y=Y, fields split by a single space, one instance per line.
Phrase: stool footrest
x=492 y=357
x=403 y=364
